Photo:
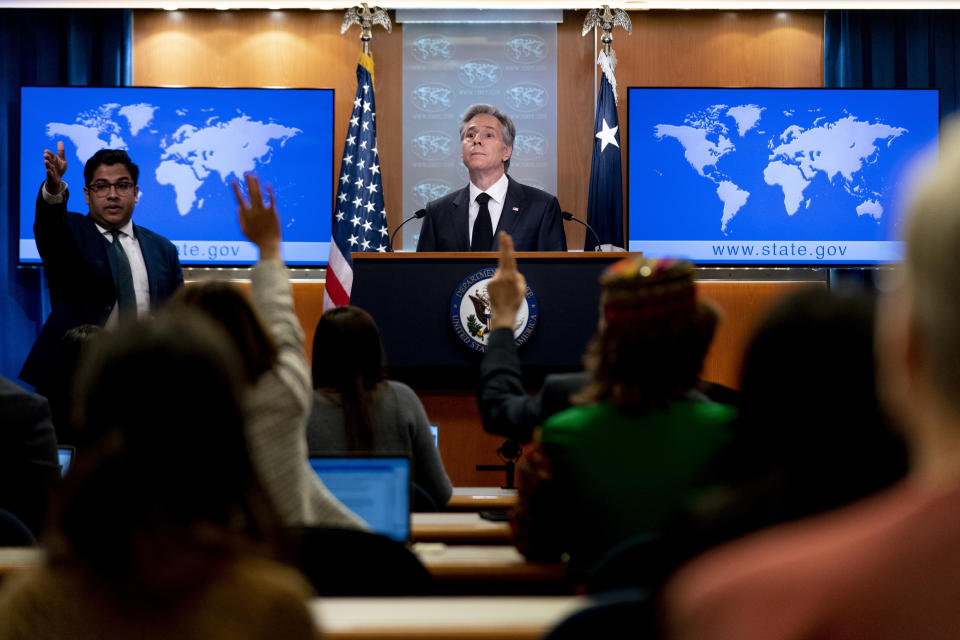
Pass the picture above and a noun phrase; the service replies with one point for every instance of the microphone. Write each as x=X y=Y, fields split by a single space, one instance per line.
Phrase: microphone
x=419 y=214
x=569 y=216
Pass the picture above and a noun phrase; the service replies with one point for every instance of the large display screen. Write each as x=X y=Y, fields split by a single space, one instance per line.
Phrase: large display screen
x=189 y=144
x=773 y=176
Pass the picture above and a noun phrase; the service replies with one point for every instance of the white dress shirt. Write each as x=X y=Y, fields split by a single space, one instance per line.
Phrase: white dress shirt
x=138 y=268
x=497 y=193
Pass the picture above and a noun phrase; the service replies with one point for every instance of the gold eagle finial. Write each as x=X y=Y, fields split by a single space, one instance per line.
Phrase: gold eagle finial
x=366 y=17
x=607 y=18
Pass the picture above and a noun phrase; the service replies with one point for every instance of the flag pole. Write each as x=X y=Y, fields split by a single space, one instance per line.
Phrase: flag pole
x=359 y=220
x=605 y=197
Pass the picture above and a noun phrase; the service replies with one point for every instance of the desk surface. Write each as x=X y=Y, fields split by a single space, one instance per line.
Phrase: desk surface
x=479 y=498
x=486 y=562
x=458 y=527
x=14 y=558
x=459 y=618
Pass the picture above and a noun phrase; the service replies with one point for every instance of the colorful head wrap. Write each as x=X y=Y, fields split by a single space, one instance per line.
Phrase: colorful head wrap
x=637 y=288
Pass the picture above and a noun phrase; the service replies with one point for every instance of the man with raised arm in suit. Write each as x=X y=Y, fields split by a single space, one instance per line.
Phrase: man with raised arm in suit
x=102 y=268
x=505 y=406
x=469 y=219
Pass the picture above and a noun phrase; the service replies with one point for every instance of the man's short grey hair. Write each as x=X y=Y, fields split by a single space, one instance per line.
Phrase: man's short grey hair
x=506 y=124
x=932 y=264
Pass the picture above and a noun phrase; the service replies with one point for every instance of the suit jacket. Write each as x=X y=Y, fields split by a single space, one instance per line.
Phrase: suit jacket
x=532 y=218
x=505 y=406
x=80 y=271
x=29 y=465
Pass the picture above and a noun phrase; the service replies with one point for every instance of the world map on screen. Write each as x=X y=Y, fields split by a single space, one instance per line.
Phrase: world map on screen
x=190 y=144
x=800 y=147
x=185 y=149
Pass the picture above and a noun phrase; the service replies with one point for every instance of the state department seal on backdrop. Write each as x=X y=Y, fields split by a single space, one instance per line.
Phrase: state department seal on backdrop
x=470 y=312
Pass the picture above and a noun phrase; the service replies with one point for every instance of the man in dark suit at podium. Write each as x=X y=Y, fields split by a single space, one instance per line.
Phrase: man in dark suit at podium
x=468 y=219
x=102 y=268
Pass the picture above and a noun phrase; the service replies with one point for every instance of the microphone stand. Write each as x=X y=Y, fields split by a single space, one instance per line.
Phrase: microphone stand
x=416 y=216
x=569 y=216
x=509 y=452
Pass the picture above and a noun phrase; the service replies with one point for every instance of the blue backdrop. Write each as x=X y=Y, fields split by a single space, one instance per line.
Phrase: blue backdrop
x=82 y=47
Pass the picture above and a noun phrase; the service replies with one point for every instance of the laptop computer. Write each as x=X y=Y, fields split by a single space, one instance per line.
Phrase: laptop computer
x=65 y=454
x=375 y=487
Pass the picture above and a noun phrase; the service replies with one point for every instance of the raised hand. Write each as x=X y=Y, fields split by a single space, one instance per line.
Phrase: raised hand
x=56 y=166
x=507 y=287
x=259 y=222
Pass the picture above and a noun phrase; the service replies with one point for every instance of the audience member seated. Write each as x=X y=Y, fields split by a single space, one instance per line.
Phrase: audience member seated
x=885 y=566
x=269 y=338
x=73 y=345
x=355 y=410
x=811 y=434
x=505 y=406
x=631 y=455
x=162 y=530
x=709 y=316
x=29 y=466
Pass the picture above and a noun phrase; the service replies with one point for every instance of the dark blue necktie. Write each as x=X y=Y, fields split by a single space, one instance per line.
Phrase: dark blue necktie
x=126 y=296
x=482 y=237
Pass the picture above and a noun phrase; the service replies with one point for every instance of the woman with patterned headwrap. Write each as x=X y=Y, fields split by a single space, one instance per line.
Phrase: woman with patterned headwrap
x=631 y=453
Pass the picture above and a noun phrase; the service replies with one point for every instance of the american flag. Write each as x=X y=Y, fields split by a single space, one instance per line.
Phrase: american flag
x=359 y=219
x=605 y=201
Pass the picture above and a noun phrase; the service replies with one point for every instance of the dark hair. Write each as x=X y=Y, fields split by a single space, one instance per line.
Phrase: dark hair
x=74 y=345
x=231 y=308
x=165 y=489
x=109 y=157
x=809 y=408
x=348 y=360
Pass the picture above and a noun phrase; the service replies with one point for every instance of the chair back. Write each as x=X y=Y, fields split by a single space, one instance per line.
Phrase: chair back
x=627 y=613
x=348 y=562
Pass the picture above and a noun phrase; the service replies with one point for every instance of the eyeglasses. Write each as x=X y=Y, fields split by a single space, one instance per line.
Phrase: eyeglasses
x=102 y=189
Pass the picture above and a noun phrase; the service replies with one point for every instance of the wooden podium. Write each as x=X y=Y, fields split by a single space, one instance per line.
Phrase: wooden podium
x=410 y=296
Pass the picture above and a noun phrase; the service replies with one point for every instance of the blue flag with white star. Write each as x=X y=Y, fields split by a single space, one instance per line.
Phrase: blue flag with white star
x=605 y=200
x=359 y=217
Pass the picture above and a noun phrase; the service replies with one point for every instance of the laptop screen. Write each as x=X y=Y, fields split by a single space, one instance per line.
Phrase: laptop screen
x=65 y=454
x=377 y=489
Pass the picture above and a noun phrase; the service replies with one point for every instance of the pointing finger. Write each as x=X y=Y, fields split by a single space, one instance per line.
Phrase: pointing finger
x=60 y=150
x=507 y=261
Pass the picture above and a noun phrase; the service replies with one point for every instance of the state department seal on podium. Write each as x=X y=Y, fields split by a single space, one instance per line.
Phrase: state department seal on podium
x=470 y=312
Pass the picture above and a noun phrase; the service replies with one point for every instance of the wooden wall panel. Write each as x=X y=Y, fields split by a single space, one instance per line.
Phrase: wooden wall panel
x=743 y=305
x=463 y=442
x=308 y=302
x=720 y=49
x=575 y=64
x=277 y=48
